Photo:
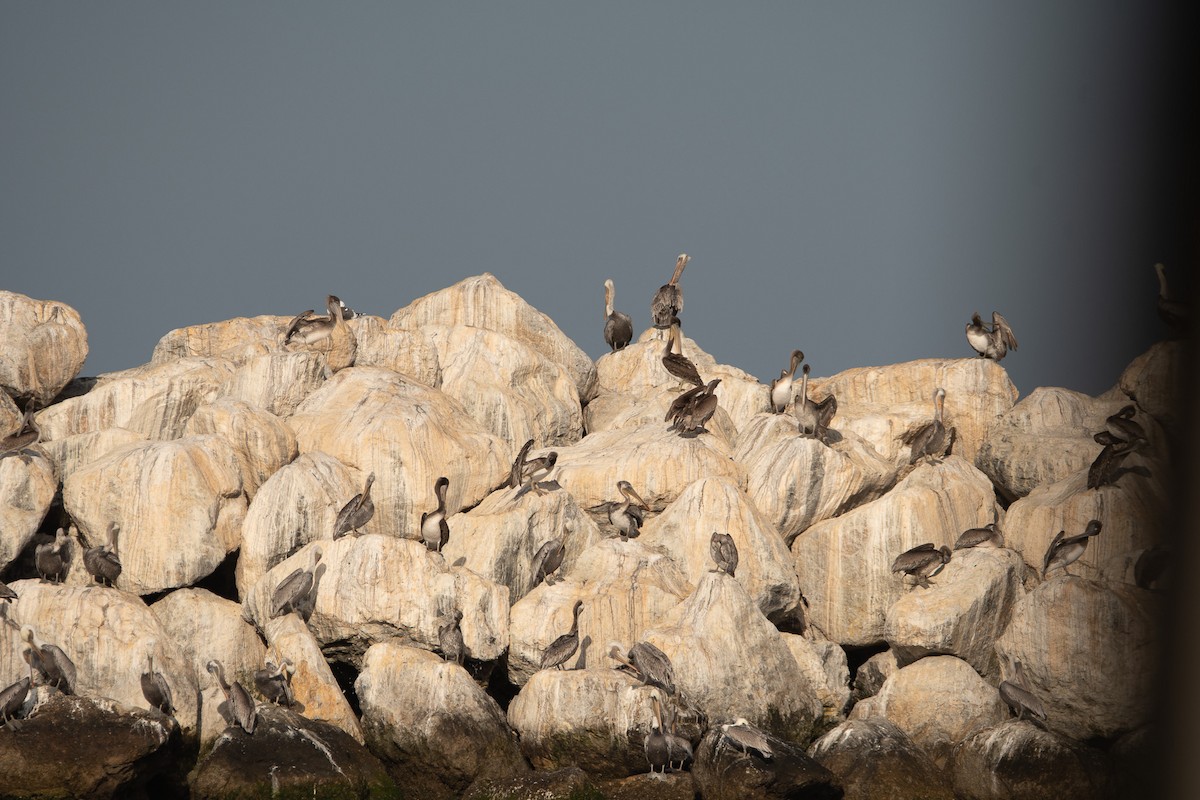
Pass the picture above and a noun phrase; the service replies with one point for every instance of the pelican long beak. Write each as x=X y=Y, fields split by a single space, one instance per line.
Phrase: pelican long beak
x=631 y=494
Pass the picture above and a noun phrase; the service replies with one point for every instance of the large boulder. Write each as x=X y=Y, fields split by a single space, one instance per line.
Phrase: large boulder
x=262 y=442
x=230 y=338
x=844 y=564
x=43 y=345
x=76 y=451
x=1017 y=760
x=409 y=352
x=872 y=674
x=276 y=381
x=27 y=487
x=875 y=760
x=824 y=665
x=316 y=691
x=1155 y=380
x=723 y=772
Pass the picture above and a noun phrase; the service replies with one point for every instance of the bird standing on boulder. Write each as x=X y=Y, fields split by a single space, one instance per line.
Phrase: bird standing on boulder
x=357 y=512
x=991 y=343
x=668 y=300
x=1063 y=552
x=55 y=667
x=626 y=516
x=781 y=387
x=547 y=560
x=274 y=683
x=155 y=688
x=678 y=364
x=450 y=638
x=1017 y=696
x=655 y=743
x=50 y=560
x=747 y=738
x=724 y=552
x=989 y=535
x=292 y=592
x=618 y=327
x=435 y=530
x=101 y=562
x=931 y=441
x=651 y=665
x=564 y=646
x=238 y=703
x=814 y=418
x=1106 y=469
x=922 y=562
x=308 y=329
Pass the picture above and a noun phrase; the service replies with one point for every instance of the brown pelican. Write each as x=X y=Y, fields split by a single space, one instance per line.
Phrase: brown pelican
x=292 y=592
x=679 y=749
x=50 y=559
x=814 y=417
x=564 y=646
x=655 y=744
x=1121 y=424
x=238 y=703
x=6 y=592
x=27 y=435
x=274 y=683
x=781 y=388
x=547 y=560
x=347 y=311
x=1106 y=469
x=435 y=531
x=1018 y=697
x=357 y=512
x=724 y=552
x=1064 y=552
x=517 y=473
x=306 y=328
x=101 y=562
x=994 y=343
x=450 y=638
x=627 y=516
x=747 y=738
x=697 y=410
x=1151 y=566
x=989 y=535
x=930 y=440
x=618 y=327
x=651 y=665
x=536 y=470
x=55 y=667
x=668 y=300
x=154 y=685
x=678 y=364
x=1172 y=312
x=13 y=697
x=681 y=404
x=922 y=562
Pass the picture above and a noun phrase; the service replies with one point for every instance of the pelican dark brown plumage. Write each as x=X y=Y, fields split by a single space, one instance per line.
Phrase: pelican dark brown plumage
x=698 y=407
x=292 y=592
x=238 y=702
x=651 y=665
x=1017 y=696
x=274 y=683
x=814 y=418
x=357 y=512
x=308 y=329
x=747 y=738
x=435 y=530
x=155 y=688
x=536 y=470
x=1063 y=552
x=724 y=553
x=993 y=343
x=50 y=560
x=101 y=561
x=13 y=697
x=564 y=646
x=547 y=560
x=678 y=364
x=931 y=440
x=668 y=300
x=655 y=743
x=55 y=666
x=450 y=638
x=781 y=387
x=1121 y=424
x=1106 y=469
x=618 y=327
x=922 y=562
x=988 y=535
x=625 y=515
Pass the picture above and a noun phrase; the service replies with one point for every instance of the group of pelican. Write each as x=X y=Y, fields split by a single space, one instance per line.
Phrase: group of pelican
x=1120 y=437
x=52 y=559
x=814 y=417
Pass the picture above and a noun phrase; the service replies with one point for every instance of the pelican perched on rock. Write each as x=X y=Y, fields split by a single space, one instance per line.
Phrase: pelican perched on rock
x=724 y=552
x=692 y=410
x=357 y=512
x=781 y=387
x=931 y=440
x=564 y=646
x=27 y=435
x=292 y=592
x=307 y=328
x=274 y=683
x=435 y=531
x=993 y=343
x=1017 y=696
x=1063 y=552
x=450 y=638
x=922 y=562
x=517 y=473
x=50 y=560
x=547 y=560
x=13 y=697
x=651 y=665
x=1151 y=565
x=238 y=702
x=1106 y=469
x=668 y=300
x=6 y=592
x=747 y=738
x=814 y=417
x=101 y=561
x=535 y=470
x=678 y=364
x=679 y=749
x=1121 y=424
x=155 y=688
x=1172 y=312
x=54 y=666
x=618 y=327
x=625 y=515
x=655 y=744
x=989 y=535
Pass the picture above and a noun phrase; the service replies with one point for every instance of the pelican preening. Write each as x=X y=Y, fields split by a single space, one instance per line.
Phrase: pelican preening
x=154 y=685
x=357 y=512
x=922 y=562
x=450 y=638
x=274 y=683
x=529 y=472
x=781 y=388
x=814 y=417
x=1122 y=426
x=1017 y=696
x=435 y=531
x=50 y=559
x=691 y=411
x=101 y=561
x=628 y=515
x=618 y=327
x=1063 y=552
x=547 y=560
x=668 y=300
x=747 y=738
x=988 y=535
x=564 y=646
x=292 y=593
x=27 y=435
x=1106 y=469
x=307 y=328
x=931 y=440
x=993 y=343
x=1172 y=312
x=678 y=364
x=724 y=552
x=651 y=665
x=238 y=702
x=54 y=666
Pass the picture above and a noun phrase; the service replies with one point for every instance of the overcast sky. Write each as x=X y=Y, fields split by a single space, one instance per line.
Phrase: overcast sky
x=853 y=179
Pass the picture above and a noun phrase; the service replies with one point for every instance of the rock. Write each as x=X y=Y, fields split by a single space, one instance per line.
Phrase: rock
x=43 y=345
x=297 y=505
x=179 y=506
x=298 y=756
x=672 y=786
x=881 y=403
x=1155 y=381
x=1090 y=652
x=155 y=400
x=27 y=487
x=231 y=338
x=1142 y=762
x=318 y=696
x=107 y=633
x=426 y=716
x=963 y=613
x=410 y=353
x=499 y=538
x=614 y=411
x=798 y=481
x=871 y=674
x=481 y=302
x=373 y=588
x=844 y=564
x=511 y=390
x=261 y=441
x=202 y=626
x=408 y=435
x=938 y=701
x=73 y=452
x=685 y=529
x=625 y=587
x=730 y=662
x=112 y=750
x=722 y=772
x=875 y=760
x=824 y=665
x=570 y=783
x=11 y=418
x=277 y=381
x=1017 y=759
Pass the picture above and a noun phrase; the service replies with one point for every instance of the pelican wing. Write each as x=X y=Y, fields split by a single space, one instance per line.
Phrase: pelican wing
x=915 y=558
x=1050 y=551
x=1002 y=330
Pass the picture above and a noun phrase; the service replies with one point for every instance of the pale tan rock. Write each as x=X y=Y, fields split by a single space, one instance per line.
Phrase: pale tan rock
x=154 y=400
x=43 y=345
x=510 y=389
x=709 y=505
x=482 y=302
x=499 y=538
x=844 y=564
x=262 y=442
x=978 y=391
x=824 y=665
x=963 y=613
x=625 y=587
x=408 y=352
x=234 y=339
x=1155 y=380
x=107 y=634
x=1017 y=759
x=425 y=714
x=277 y=381
x=27 y=487
x=202 y=626
x=938 y=701
x=373 y=588
x=874 y=759
x=179 y=505
x=317 y=693
x=408 y=434
x=869 y=678
x=339 y=348
x=11 y=418
x=297 y=505
x=1090 y=653
x=73 y=452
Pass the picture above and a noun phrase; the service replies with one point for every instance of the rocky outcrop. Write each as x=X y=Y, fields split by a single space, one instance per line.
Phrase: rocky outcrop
x=317 y=693
x=43 y=345
x=1155 y=381
x=1017 y=759
x=262 y=442
x=824 y=665
x=722 y=772
x=230 y=338
x=408 y=352
x=73 y=452
x=27 y=487
x=276 y=381
x=871 y=675
x=875 y=760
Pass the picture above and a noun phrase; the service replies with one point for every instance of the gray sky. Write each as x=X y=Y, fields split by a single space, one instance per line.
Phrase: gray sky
x=853 y=179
